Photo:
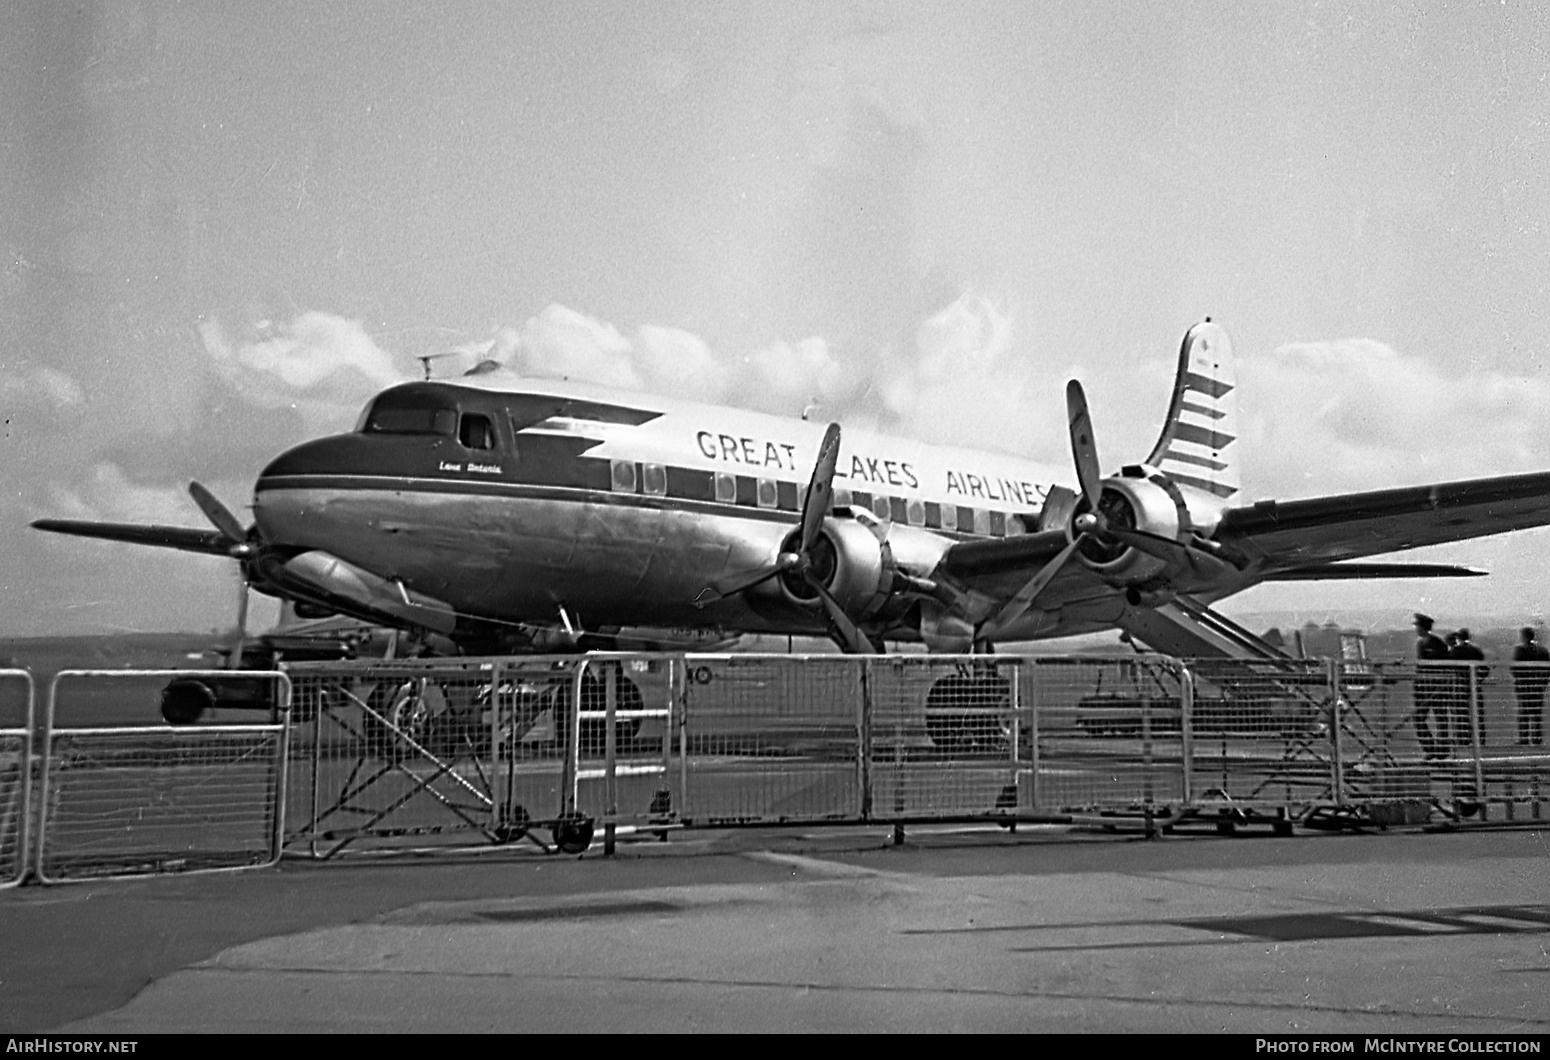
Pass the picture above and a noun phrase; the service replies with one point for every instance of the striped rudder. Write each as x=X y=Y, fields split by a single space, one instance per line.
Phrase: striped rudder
x=1203 y=416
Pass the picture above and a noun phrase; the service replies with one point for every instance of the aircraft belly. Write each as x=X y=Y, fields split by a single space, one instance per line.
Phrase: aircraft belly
x=522 y=558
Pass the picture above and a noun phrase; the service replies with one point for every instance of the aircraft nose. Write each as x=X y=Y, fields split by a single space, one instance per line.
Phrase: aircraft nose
x=338 y=455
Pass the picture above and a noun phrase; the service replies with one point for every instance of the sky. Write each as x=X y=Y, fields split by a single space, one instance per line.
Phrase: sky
x=226 y=225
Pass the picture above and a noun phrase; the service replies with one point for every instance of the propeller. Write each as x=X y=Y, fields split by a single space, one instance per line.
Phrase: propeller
x=1088 y=523
x=802 y=560
x=241 y=545
x=238 y=541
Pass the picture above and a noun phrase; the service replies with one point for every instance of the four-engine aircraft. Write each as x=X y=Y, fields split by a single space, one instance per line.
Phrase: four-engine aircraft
x=493 y=512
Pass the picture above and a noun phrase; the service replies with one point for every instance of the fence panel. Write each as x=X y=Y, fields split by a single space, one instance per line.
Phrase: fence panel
x=1261 y=741
x=131 y=799
x=771 y=738
x=1445 y=737
x=404 y=752
x=950 y=736
x=625 y=724
x=1109 y=737
x=16 y=726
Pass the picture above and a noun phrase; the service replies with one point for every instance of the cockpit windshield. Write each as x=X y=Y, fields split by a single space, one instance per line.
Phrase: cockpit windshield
x=409 y=414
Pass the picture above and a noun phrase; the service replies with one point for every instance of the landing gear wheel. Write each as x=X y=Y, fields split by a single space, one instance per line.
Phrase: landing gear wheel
x=573 y=834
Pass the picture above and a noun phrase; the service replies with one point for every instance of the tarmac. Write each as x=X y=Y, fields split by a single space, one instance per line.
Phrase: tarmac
x=813 y=930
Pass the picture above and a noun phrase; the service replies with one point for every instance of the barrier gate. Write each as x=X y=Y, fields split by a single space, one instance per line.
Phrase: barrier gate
x=120 y=797
x=407 y=751
x=16 y=727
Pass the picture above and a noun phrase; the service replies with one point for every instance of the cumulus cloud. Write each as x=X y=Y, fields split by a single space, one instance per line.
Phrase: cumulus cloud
x=1355 y=414
x=318 y=363
x=1317 y=418
x=109 y=494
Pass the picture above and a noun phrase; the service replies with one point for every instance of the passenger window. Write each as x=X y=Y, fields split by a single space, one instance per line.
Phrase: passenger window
x=840 y=498
x=653 y=479
x=998 y=523
x=880 y=507
x=726 y=488
x=623 y=473
x=917 y=513
x=476 y=431
x=981 y=521
x=768 y=496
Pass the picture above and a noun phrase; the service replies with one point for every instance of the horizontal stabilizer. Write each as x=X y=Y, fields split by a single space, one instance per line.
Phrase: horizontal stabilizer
x=208 y=541
x=1341 y=571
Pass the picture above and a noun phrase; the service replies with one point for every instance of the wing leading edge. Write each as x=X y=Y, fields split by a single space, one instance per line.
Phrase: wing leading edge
x=1282 y=536
x=211 y=542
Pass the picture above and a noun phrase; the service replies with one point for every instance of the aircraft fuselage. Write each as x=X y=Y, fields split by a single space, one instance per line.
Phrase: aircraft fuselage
x=512 y=498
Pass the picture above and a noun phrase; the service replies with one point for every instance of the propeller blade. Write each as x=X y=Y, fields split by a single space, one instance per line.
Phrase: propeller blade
x=819 y=491
x=1024 y=598
x=714 y=596
x=218 y=514
x=855 y=640
x=1197 y=561
x=1083 y=447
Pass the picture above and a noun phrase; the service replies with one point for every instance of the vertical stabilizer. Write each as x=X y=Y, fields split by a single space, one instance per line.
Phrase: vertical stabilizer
x=1202 y=424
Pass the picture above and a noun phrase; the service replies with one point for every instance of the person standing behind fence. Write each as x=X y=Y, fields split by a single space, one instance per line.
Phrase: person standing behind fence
x=1529 y=682
x=1432 y=684
x=1466 y=710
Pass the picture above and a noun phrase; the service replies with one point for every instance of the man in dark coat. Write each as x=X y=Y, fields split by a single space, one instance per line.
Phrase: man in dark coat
x=1529 y=683
x=1466 y=695
x=1432 y=684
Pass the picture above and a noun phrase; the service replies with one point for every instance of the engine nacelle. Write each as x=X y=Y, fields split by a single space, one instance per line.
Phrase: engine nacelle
x=850 y=562
x=1133 y=503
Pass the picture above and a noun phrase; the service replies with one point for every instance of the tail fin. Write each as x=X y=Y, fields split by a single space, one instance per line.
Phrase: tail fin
x=1203 y=416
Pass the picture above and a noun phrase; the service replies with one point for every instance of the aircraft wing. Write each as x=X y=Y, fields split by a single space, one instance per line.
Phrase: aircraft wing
x=1279 y=536
x=211 y=542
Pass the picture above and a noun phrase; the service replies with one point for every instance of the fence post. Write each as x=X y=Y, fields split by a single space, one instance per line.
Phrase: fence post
x=1187 y=728
x=1336 y=673
x=1475 y=720
x=864 y=739
x=1033 y=730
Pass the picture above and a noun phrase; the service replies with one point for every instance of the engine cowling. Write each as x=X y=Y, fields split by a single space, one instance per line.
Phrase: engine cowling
x=850 y=562
x=1142 y=504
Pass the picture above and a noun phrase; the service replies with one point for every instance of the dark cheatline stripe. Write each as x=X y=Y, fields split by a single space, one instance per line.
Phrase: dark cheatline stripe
x=1203 y=384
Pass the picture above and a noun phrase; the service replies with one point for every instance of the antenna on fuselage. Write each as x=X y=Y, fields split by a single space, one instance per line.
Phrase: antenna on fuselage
x=811 y=407
x=425 y=359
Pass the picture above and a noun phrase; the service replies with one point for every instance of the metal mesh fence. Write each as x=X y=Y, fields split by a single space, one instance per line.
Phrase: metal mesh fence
x=947 y=737
x=1455 y=736
x=1260 y=734
x=133 y=800
x=409 y=752
x=1109 y=734
x=770 y=738
x=16 y=724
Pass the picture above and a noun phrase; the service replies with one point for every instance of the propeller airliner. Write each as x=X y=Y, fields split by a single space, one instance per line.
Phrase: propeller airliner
x=490 y=512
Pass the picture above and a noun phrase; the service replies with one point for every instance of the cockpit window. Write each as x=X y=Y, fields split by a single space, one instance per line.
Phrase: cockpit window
x=476 y=431
x=409 y=414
